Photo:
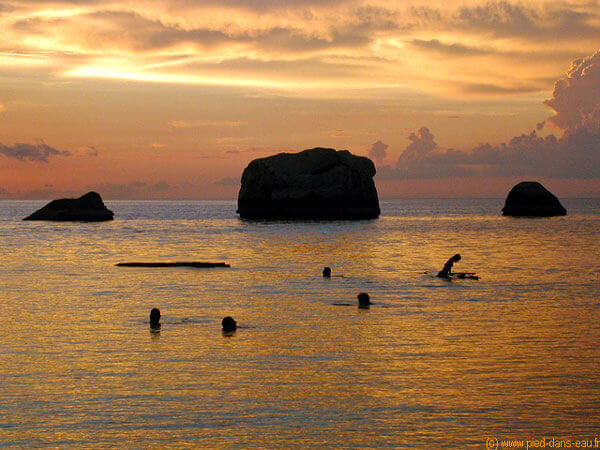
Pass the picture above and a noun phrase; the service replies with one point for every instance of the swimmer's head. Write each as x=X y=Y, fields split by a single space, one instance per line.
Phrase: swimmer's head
x=364 y=300
x=155 y=317
x=327 y=272
x=456 y=258
x=228 y=324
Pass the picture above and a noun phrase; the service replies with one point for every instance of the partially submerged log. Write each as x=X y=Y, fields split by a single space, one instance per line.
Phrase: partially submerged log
x=173 y=264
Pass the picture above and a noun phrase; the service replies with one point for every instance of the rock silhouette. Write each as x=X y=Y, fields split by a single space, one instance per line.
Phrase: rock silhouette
x=530 y=198
x=320 y=183
x=87 y=208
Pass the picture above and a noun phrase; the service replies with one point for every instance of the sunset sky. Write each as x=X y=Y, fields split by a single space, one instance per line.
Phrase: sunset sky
x=173 y=98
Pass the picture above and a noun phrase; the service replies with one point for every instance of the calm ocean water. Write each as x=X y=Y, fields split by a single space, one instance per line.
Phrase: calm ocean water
x=430 y=364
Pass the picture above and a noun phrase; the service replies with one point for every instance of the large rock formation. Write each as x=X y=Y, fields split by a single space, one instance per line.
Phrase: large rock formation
x=320 y=183
x=530 y=198
x=88 y=208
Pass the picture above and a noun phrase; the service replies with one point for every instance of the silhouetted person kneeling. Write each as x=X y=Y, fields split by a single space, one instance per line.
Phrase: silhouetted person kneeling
x=446 y=271
x=364 y=301
x=155 y=318
x=229 y=325
x=327 y=272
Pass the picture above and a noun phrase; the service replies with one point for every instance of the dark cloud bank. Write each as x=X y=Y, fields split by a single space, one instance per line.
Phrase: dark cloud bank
x=31 y=152
x=575 y=154
x=133 y=189
x=378 y=151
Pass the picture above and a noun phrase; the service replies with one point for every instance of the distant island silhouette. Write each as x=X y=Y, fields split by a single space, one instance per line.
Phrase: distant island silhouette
x=530 y=198
x=87 y=208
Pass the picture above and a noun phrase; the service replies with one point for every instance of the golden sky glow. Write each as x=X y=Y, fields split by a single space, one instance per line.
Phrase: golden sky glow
x=157 y=98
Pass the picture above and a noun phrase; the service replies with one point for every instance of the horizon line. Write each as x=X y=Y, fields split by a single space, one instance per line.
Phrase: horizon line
x=597 y=197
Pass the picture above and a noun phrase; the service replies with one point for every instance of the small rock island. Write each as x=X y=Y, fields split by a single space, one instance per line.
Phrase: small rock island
x=87 y=208
x=531 y=199
x=315 y=184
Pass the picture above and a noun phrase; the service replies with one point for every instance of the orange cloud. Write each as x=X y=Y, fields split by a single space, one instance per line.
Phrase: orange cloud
x=574 y=155
x=309 y=44
x=172 y=89
x=205 y=123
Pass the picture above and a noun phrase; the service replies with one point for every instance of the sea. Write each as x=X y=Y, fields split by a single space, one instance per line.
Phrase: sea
x=513 y=357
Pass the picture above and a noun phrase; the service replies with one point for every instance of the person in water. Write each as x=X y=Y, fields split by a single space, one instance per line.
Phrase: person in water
x=155 y=318
x=229 y=325
x=364 y=301
x=327 y=272
x=447 y=269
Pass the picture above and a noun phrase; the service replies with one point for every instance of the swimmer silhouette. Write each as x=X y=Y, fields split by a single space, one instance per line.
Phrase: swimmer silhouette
x=229 y=325
x=155 y=318
x=446 y=270
x=364 y=301
x=327 y=272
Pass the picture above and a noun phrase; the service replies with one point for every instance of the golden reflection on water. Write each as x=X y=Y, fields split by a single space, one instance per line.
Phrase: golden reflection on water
x=430 y=364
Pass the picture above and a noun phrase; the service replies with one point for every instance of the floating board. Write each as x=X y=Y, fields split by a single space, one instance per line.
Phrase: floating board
x=173 y=264
x=467 y=275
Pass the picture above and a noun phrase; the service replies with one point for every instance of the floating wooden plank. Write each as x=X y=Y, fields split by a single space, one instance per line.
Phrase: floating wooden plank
x=173 y=264
x=465 y=275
